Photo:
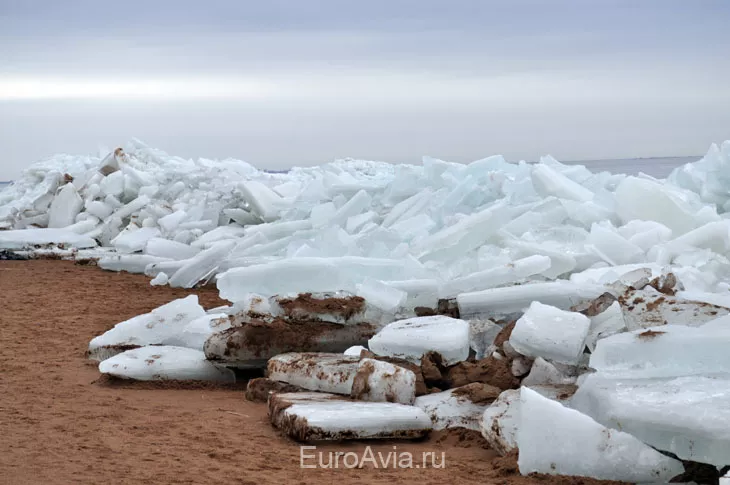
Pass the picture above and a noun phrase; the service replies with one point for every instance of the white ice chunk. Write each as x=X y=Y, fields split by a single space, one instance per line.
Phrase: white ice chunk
x=202 y=265
x=609 y=322
x=160 y=280
x=219 y=234
x=499 y=422
x=131 y=263
x=586 y=448
x=687 y=416
x=161 y=363
x=170 y=222
x=65 y=207
x=385 y=297
x=264 y=202
x=26 y=238
x=323 y=372
x=651 y=201
x=551 y=333
x=133 y=241
x=113 y=184
x=450 y=410
x=166 y=248
x=514 y=299
x=410 y=339
x=420 y=292
x=197 y=331
x=99 y=209
x=550 y=182
x=380 y=381
x=543 y=373
x=612 y=247
x=355 y=351
x=162 y=326
x=499 y=276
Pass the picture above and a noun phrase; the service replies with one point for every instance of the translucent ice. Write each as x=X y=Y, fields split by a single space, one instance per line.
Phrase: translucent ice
x=687 y=416
x=551 y=333
x=499 y=276
x=448 y=409
x=515 y=299
x=202 y=265
x=410 y=339
x=586 y=447
x=65 y=207
x=136 y=240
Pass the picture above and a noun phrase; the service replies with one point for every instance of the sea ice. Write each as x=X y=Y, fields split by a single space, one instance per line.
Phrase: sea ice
x=131 y=241
x=450 y=409
x=65 y=207
x=319 y=416
x=161 y=363
x=586 y=448
x=27 y=238
x=162 y=326
x=687 y=416
x=202 y=265
x=325 y=372
x=410 y=339
x=551 y=333
x=380 y=381
x=515 y=299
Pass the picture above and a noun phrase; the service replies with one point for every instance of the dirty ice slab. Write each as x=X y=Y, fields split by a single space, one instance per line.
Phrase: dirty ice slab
x=159 y=363
x=27 y=238
x=324 y=417
x=324 y=372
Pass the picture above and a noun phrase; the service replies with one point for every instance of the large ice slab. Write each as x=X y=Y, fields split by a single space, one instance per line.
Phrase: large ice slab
x=160 y=363
x=27 y=238
x=548 y=332
x=162 y=326
x=515 y=299
x=324 y=372
x=557 y=440
x=410 y=339
x=667 y=351
x=687 y=416
x=499 y=276
x=255 y=342
x=65 y=207
x=380 y=381
x=202 y=265
x=131 y=241
x=319 y=416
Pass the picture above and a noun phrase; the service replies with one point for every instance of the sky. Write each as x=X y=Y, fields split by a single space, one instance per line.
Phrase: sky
x=280 y=83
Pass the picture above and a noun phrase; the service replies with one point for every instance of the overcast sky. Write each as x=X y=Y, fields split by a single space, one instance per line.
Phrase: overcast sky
x=300 y=82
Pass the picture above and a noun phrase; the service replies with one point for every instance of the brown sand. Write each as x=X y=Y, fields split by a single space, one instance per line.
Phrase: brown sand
x=60 y=423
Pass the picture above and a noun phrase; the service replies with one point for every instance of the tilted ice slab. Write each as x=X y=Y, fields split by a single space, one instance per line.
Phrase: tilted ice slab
x=501 y=420
x=131 y=263
x=325 y=372
x=202 y=265
x=666 y=351
x=499 y=276
x=162 y=326
x=516 y=299
x=27 y=238
x=557 y=440
x=161 y=362
x=548 y=332
x=410 y=339
x=687 y=416
x=319 y=416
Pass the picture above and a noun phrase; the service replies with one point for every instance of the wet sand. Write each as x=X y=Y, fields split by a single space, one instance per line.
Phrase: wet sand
x=61 y=423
